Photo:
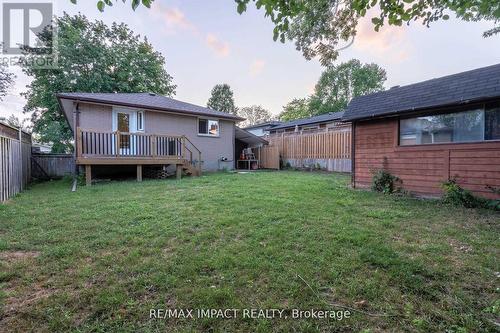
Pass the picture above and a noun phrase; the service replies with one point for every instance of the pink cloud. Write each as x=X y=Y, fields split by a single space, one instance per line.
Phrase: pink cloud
x=221 y=48
x=256 y=67
x=173 y=18
x=389 y=42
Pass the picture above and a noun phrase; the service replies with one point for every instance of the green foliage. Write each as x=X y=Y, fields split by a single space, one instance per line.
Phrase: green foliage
x=254 y=114
x=339 y=84
x=323 y=27
x=385 y=182
x=93 y=57
x=101 y=4
x=296 y=109
x=455 y=194
x=6 y=80
x=336 y=87
x=493 y=203
x=222 y=99
x=14 y=121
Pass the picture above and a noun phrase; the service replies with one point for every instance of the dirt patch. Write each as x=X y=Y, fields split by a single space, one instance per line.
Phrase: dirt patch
x=460 y=247
x=11 y=256
x=21 y=301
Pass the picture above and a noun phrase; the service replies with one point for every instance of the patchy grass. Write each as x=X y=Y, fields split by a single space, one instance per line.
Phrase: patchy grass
x=99 y=259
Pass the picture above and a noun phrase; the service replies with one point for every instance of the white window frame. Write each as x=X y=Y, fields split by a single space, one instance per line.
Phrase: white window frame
x=133 y=120
x=208 y=134
x=140 y=124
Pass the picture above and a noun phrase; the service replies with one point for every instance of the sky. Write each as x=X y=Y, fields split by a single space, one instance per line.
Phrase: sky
x=208 y=42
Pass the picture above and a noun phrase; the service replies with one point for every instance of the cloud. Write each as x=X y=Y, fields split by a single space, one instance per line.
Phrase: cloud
x=175 y=21
x=221 y=48
x=173 y=18
x=256 y=67
x=390 y=42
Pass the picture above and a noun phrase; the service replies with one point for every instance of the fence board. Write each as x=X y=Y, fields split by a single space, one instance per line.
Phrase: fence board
x=269 y=157
x=53 y=165
x=15 y=164
x=324 y=145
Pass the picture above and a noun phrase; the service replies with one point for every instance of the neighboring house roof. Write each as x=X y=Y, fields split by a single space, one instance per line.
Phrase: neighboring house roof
x=272 y=123
x=466 y=87
x=148 y=101
x=322 y=118
x=249 y=138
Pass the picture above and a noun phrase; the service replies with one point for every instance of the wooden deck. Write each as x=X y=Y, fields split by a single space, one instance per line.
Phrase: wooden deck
x=119 y=148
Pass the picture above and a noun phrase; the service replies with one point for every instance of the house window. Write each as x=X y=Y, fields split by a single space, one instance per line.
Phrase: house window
x=140 y=120
x=208 y=127
x=492 y=123
x=469 y=126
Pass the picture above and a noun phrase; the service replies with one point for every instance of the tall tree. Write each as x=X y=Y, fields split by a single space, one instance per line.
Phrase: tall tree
x=296 y=109
x=222 y=99
x=337 y=85
x=6 y=80
x=254 y=114
x=14 y=121
x=93 y=57
x=322 y=27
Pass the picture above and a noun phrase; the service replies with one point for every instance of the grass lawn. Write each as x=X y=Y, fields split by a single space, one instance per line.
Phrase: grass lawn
x=99 y=259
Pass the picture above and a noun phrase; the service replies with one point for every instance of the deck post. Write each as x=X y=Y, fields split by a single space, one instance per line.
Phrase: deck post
x=117 y=148
x=199 y=163
x=178 y=171
x=184 y=147
x=139 y=173
x=88 y=174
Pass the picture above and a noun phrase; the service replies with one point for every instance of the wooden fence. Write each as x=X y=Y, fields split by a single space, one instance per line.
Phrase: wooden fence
x=47 y=166
x=269 y=157
x=319 y=145
x=15 y=161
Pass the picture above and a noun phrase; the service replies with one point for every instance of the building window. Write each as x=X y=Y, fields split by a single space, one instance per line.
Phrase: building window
x=469 y=126
x=208 y=127
x=140 y=120
x=492 y=123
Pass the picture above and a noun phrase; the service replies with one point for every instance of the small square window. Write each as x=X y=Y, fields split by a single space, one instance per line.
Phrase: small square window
x=208 y=127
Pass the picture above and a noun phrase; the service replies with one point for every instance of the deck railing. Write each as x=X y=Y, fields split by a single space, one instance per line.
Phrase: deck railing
x=136 y=145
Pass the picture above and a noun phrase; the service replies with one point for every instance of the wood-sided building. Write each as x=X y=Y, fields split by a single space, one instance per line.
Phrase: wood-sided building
x=429 y=132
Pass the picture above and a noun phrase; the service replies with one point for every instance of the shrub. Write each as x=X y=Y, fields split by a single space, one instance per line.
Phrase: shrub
x=456 y=195
x=384 y=182
x=494 y=203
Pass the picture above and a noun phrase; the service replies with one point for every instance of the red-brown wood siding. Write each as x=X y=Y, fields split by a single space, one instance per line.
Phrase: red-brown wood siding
x=423 y=168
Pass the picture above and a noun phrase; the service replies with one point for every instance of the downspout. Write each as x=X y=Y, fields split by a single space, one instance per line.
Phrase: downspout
x=21 y=155
x=353 y=154
x=76 y=117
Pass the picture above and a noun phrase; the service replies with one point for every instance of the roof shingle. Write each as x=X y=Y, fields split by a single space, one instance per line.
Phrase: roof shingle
x=332 y=116
x=148 y=101
x=475 y=85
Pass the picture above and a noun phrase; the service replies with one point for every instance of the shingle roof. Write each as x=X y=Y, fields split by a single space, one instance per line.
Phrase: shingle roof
x=322 y=118
x=475 y=85
x=271 y=123
x=148 y=101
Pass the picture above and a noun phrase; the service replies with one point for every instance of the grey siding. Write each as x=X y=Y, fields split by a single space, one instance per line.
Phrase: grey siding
x=212 y=148
x=98 y=117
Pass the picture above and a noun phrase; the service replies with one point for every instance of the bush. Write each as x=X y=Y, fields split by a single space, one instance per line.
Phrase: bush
x=493 y=204
x=456 y=195
x=384 y=182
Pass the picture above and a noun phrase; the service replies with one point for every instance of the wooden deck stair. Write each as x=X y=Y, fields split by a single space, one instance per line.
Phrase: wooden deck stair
x=190 y=170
